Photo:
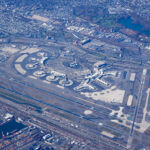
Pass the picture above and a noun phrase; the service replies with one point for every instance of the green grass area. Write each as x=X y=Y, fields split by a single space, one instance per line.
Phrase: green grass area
x=102 y=128
x=109 y=21
x=98 y=16
x=59 y=113
x=19 y=100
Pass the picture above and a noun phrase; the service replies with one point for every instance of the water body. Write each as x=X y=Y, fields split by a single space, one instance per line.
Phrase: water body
x=129 y=23
x=10 y=126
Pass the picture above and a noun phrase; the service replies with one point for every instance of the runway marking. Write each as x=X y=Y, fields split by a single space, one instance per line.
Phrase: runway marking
x=107 y=134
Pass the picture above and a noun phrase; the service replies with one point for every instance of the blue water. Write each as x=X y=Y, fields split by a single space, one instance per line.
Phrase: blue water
x=10 y=126
x=129 y=23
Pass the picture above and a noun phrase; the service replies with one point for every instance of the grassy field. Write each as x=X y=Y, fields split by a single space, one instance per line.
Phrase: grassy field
x=19 y=100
